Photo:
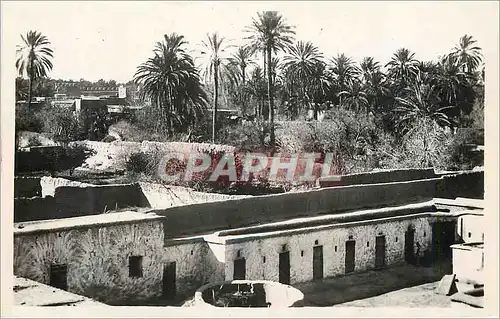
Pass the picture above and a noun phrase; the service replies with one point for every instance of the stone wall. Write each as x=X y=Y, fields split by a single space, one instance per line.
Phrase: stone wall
x=333 y=242
x=27 y=186
x=49 y=184
x=34 y=208
x=465 y=184
x=164 y=196
x=206 y=217
x=196 y=265
x=383 y=176
x=97 y=259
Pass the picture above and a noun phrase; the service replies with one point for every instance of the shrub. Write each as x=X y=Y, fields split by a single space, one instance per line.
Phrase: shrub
x=28 y=120
x=62 y=124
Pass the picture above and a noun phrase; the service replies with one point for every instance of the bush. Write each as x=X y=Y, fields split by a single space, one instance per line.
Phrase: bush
x=248 y=136
x=28 y=120
x=62 y=124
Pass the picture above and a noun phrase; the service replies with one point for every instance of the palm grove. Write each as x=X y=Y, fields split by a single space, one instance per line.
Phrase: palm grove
x=404 y=112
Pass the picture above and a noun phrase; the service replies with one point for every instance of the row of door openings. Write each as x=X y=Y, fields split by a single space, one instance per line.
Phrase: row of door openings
x=318 y=273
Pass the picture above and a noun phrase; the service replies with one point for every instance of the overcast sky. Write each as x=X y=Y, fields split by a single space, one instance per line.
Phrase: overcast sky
x=108 y=40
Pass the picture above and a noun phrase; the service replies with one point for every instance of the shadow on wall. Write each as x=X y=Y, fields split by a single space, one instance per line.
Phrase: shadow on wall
x=468 y=185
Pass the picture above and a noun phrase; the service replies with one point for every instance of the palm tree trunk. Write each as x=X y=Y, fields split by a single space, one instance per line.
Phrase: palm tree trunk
x=30 y=92
x=216 y=97
x=270 y=96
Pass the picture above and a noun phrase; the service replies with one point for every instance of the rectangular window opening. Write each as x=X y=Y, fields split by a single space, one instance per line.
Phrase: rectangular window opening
x=135 y=266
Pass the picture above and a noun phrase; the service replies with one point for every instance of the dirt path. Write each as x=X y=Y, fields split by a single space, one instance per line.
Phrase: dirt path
x=339 y=290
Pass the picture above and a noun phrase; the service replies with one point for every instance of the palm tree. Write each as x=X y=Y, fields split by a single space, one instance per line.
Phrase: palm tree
x=34 y=58
x=217 y=70
x=343 y=70
x=171 y=82
x=300 y=64
x=403 y=67
x=467 y=54
x=242 y=59
x=368 y=67
x=354 y=96
x=271 y=32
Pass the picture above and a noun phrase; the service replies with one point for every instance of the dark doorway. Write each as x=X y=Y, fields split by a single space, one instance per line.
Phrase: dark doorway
x=443 y=236
x=318 y=262
x=239 y=269
x=284 y=268
x=59 y=276
x=410 y=245
x=169 y=280
x=379 y=252
x=350 y=249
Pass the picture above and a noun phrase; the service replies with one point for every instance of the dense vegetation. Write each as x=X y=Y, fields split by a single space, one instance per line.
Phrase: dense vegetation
x=406 y=112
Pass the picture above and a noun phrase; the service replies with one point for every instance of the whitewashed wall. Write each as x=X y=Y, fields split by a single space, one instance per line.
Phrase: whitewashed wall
x=471 y=228
x=333 y=262
x=197 y=264
x=468 y=263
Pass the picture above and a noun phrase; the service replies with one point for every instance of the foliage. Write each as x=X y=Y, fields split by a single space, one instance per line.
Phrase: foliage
x=62 y=124
x=171 y=82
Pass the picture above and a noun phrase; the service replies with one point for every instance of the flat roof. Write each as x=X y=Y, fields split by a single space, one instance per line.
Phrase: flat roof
x=31 y=293
x=22 y=228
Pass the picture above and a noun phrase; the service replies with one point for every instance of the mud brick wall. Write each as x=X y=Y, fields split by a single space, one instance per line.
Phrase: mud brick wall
x=97 y=259
x=386 y=176
x=34 y=208
x=333 y=241
x=27 y=187
x=469 y=185
x=78 y=201
x=206 y=217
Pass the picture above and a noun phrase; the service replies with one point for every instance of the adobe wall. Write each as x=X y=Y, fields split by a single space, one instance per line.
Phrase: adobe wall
x=333 y=242
x=164 y=196
x=467 y=184
x=92 y=199
x=385 y=176
x=206 y=217
x=25 y=186
x=196 y=265
x=468 y=263
x=34 y=208
x=97 y=259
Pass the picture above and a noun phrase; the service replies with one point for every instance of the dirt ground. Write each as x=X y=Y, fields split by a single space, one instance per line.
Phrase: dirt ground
x=390 y=285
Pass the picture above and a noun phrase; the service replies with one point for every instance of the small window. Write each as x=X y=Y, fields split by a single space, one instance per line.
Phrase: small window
x=396 y=239
x=335 y=248
x=316 y=242
x=367 y=244
x=351 y=237
x=135 y=266
x=284 y=248
x=263 y=259
x=301 y=253
x=425 y=234
x=238 y=253
x=469 y=234
x=192 y=252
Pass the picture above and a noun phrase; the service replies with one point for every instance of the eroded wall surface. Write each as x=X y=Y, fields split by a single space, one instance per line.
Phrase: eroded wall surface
x=197 y=264
x=97 y=260
x=334 y=249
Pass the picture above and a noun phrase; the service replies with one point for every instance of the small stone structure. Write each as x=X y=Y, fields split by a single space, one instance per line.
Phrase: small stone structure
x=247 y=293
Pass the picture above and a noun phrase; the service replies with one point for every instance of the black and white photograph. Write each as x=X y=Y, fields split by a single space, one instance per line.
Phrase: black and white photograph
x=238 y=158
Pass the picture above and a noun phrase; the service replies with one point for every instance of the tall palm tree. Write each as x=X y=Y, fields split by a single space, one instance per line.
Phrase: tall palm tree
x=269 y=30
x=300 y=64
x=34 y=58
x=242 y=59
x=468 y=55
x=171 y=82
x=368 y=67
x=354 y=96
x=403 y=67
x=217 y=69
x=344 y=70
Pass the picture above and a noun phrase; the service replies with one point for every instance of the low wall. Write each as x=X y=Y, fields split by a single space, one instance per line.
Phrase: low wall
x=385 y=176
x=164 y=196
x=206 y=217
x=465 y=184
x=49 y=184
x=27 y=187
x=78 y=201
x=35 y=208
x=468 y=262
